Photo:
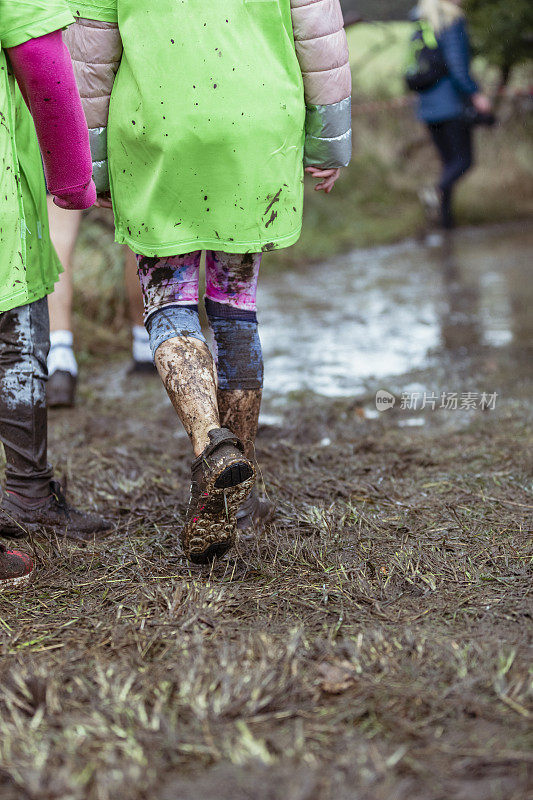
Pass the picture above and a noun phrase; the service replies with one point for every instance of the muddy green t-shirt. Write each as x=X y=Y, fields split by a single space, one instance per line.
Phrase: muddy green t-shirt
x=206 y=125
x=28 y=264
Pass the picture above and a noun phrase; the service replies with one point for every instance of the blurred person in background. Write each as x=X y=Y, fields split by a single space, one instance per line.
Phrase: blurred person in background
x=444 y=106
x=32 y=50
x=207 y=131
x=62 y=364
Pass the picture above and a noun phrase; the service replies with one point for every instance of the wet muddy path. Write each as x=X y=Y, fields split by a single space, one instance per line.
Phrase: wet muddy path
x=375 y=642
x=442 y=317
x=444 y=328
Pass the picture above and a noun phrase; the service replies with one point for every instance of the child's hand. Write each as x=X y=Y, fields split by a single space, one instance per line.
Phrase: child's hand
x=329 y=176
x=481 y=103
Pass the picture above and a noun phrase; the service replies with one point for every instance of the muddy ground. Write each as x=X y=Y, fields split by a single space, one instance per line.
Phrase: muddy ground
x=374 y=643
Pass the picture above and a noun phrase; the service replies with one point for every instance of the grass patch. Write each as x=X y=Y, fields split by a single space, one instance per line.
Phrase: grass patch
x=378 y=55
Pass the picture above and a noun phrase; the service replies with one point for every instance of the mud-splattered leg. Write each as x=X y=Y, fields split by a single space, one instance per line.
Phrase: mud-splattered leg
x=239 y=412
x=170 y=294
x=221 y=476
x=188 y=373
x=231 y=286
x=24 y=343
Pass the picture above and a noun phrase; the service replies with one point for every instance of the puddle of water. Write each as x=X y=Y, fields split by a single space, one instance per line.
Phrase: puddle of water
x=408 y=319
x=338 y=327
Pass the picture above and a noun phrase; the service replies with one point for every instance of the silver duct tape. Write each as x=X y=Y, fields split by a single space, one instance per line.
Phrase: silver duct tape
x=101 y=176
x=329 y=121
x=98 y=143
x=328 y=153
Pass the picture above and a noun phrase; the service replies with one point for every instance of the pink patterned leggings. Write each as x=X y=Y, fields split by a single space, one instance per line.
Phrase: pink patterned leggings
x=173 y=280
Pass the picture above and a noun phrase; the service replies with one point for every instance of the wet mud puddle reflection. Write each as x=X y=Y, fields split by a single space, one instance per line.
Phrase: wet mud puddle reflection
x=342 y=327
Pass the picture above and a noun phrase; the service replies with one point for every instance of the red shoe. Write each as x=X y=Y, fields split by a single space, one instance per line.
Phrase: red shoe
x=15 y=568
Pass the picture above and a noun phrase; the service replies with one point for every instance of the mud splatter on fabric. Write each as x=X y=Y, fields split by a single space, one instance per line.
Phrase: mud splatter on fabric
x=188 y=373
x=24 y=344
x=237 y=346
x=174 y=280
x=239 y=412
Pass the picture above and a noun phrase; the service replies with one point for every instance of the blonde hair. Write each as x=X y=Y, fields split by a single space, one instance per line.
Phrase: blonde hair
x=439 y=13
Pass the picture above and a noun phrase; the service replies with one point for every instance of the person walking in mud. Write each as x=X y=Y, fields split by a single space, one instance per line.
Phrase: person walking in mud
x=32 y=48
x=206 y=140
x=444 y=104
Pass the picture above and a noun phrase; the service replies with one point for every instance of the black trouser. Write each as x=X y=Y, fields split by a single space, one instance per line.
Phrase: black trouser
x=453 y=140
x=24 y=345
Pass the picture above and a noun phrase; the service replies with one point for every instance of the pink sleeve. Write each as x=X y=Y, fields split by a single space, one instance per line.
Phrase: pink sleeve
x=45 y=75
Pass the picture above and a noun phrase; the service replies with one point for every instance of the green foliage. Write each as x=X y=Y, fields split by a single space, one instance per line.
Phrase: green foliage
x=502 y=31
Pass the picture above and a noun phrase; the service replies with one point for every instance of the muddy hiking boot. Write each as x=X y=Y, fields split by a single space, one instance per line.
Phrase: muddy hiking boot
x=222 y=479
x=255 y=512
x=15 y=568
x=53 y=515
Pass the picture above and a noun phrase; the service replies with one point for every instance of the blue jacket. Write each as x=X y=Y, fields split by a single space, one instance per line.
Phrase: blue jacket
x=447 y=99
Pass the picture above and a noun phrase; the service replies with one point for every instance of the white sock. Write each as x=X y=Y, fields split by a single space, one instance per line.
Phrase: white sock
x=61 y=356
x=141 y=344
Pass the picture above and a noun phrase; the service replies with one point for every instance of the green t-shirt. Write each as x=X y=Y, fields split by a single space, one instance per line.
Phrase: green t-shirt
x=206 y=125
x=28 y=264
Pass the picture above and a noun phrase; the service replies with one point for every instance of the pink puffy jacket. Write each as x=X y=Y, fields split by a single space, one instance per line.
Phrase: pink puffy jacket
x=322 y=50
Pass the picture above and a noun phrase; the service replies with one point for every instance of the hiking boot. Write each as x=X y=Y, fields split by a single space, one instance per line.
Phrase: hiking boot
x=53 y=515
x=15 y=568
x=222 y=479
x=255 y=512
x=61 y=389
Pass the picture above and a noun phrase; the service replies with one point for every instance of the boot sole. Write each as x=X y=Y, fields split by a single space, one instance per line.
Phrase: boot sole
x=13 y=531
x=213 y=531
x=14 y=583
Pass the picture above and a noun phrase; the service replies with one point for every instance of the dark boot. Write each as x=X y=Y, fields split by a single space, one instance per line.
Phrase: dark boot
x=15 y=568
x=61 y=389
x=53 y=515
x=255 y=512
x=222 y=478
x=142 y=368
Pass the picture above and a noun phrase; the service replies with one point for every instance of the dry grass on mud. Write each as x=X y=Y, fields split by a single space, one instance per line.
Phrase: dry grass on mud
x=373 y=644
